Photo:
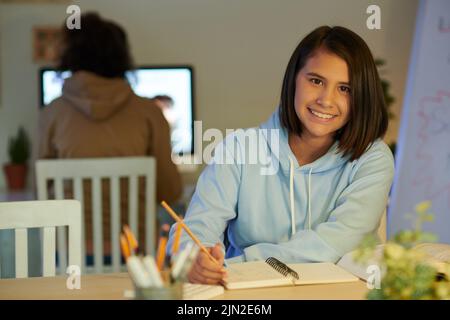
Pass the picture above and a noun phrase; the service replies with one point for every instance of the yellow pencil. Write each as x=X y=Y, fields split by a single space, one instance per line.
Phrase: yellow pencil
x=176 y=241
x=189 y=232
x=131 y=239
x=125 y=247
x=161 y=253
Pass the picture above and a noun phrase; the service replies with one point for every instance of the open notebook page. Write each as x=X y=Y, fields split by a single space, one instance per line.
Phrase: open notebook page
x=254 y=274
x=259 y=274
x=316 y=273
x=437 y=251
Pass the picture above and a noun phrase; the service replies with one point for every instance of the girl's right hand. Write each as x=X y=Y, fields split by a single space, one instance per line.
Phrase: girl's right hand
x=206 y=271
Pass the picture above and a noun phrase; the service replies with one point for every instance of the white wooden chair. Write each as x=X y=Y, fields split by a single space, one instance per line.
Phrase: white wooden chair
x=47 y=215
x=96 y=169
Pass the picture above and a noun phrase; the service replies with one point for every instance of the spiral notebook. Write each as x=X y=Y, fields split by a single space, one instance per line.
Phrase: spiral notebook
x=274 y=273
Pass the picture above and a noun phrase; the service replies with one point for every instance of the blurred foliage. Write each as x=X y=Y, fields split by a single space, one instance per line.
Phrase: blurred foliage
x=388 y=97
x=407 y=274
x=386 y=85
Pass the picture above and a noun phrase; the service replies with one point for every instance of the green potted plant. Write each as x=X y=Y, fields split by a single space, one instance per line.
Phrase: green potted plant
x=388 y=97
x=411 y=271
x=19 y=152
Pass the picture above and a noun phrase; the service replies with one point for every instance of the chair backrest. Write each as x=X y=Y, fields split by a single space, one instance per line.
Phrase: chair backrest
x=97 y=169
x=46 y=215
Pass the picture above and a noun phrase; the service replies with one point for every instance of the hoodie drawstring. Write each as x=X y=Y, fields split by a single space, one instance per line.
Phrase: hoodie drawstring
x=291 y=196
x=309 y=198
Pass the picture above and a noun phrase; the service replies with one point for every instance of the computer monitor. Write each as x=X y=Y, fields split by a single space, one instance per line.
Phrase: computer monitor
x=149 y=81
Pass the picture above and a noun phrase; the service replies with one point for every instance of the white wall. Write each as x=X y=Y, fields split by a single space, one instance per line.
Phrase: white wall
x=239 y=50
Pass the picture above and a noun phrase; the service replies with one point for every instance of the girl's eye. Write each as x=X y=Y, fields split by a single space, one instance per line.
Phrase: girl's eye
x=315 y=81
x=344 y=89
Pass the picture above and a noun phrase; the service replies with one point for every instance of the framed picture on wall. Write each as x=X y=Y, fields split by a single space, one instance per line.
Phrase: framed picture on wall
x=45 y=42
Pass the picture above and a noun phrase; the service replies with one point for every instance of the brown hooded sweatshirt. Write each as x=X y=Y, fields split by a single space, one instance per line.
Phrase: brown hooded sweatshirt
x=102 y=117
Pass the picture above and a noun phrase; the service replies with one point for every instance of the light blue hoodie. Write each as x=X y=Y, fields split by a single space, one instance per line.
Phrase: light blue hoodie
x=311 y=213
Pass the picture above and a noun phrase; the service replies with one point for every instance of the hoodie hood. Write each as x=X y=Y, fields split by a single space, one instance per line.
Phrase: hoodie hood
x=289 y=164
x=95 y=96
x=332 y=159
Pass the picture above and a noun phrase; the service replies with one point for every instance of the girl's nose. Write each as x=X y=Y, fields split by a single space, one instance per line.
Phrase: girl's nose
x=326 y=98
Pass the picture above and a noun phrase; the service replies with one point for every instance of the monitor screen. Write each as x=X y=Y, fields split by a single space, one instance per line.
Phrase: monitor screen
x=175 y=82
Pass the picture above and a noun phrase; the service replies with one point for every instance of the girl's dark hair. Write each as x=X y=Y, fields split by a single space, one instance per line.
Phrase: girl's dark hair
x=100 y=46
x=368 y=119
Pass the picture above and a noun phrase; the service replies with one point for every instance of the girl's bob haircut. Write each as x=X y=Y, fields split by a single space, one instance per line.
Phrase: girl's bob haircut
x=368 y=118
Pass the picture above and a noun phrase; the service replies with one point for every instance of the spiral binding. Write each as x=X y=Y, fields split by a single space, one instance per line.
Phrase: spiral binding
x=281 y=267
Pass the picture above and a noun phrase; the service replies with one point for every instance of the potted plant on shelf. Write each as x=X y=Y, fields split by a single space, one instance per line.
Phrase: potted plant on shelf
x=388 y=97
x=19 y=152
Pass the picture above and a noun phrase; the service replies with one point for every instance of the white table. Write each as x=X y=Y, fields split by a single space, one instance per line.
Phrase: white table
x=113 y=285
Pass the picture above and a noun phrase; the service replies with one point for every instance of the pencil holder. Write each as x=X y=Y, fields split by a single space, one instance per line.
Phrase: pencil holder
x=171 y=292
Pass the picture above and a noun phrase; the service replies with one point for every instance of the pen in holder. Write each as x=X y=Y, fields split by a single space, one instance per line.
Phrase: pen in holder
x=160 y=279
x=150 y=283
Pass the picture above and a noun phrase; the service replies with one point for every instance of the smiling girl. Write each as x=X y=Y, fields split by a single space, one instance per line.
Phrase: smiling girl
x=334 y=171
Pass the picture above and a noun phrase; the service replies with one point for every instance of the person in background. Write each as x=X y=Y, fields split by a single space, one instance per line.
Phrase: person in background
x=165 y=103
x=98 y=115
